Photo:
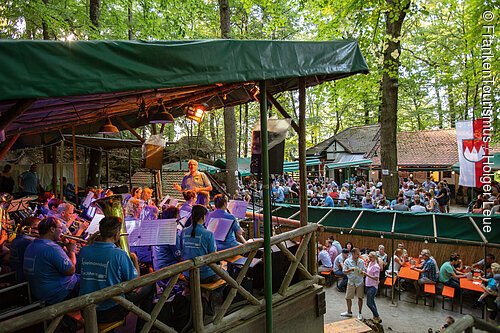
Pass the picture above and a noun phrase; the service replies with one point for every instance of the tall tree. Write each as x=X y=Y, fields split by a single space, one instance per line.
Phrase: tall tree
x=230 y=141
x=94 y=13
x=395 y=16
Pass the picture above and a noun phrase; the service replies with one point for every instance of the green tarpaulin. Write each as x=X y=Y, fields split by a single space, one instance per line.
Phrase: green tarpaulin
x=294 y=166
x=34 y=69
x=350 y=164
x=243 y=165
x=442 y=227
x=183 y=166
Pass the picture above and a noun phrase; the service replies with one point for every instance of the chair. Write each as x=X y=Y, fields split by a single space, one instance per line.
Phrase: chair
x=430 y=289
x=213 y=285
x=389 y=282
x=448 y=293
x=328 y=275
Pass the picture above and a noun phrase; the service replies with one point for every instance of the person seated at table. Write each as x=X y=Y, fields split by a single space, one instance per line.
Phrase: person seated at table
x=324 y=260
x=49 y=270
x=490 y=288
x=395 y=263
x=428 y=271
x=234 y=236
x=332 y=249
x=490 y=259
x=417 y=206
x=449 y=276
x=103 y=264
x=197 y=241
x=338 y=269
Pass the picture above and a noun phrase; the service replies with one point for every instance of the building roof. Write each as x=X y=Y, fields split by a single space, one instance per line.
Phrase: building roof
x=356 y=140
x=436 y=148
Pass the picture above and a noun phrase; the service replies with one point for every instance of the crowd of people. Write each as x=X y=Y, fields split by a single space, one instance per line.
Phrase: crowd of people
x=364 y=272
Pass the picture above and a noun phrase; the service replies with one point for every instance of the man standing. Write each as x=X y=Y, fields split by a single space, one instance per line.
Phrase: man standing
x=428 y=184
x=194 y=180
x=103 y=264
x=29 y=182
x=48 y=269
x=354 y=267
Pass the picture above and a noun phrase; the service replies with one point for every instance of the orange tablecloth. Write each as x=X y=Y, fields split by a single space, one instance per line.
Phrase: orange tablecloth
x=406 y=272
x=470 y=285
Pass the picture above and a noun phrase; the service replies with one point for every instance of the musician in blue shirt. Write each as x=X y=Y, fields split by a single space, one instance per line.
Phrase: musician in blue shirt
x=48 y=269
x=19 y=245
x=103 y=264
x=234 y=232
x=197 y=241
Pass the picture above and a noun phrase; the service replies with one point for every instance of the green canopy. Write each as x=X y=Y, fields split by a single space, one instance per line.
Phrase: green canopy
x=441 y=227
x=294 y=166
x=243 y=165
x=82 y=83
x=183 y=166
x=349 y=164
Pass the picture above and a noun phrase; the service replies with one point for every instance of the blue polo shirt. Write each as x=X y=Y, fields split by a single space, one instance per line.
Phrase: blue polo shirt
x=329 y=201
x=17 y=249
x=202 y=243
x=101 y=265
x=230 y=240
x=166 y=255
x=44 y=265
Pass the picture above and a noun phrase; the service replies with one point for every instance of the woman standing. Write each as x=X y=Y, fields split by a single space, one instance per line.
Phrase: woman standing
x=371 y=282
x=433 y=205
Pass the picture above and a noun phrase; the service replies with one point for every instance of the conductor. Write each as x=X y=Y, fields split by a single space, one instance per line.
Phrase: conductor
x=194 y=180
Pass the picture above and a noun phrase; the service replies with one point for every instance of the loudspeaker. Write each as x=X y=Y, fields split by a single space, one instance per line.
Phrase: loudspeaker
x=276 y=156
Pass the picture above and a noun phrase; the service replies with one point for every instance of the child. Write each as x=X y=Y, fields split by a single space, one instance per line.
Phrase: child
x=489 y=289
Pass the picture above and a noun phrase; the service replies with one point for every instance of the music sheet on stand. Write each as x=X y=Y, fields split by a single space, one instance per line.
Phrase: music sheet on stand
x=152 y=232
x=94 y=224
x=238 y=208
x=220 y=228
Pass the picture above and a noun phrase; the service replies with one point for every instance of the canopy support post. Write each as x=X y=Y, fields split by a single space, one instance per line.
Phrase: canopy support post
x=9 y=145
x=392 y=258
x=54 y=170
x=130 y=169
x=107 y=169
x=61 y=170
x=268 y=289
x=75 y=167
x=18 y=109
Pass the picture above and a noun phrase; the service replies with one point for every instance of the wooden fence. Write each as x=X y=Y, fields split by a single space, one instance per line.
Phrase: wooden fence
x=87 y=303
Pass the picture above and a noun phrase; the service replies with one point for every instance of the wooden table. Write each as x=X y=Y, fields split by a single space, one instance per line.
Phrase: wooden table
x=474 y=285
x=352 y=325
x=405 y=272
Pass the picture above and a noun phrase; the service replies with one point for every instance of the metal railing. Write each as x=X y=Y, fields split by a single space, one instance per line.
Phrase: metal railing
x=87 y=303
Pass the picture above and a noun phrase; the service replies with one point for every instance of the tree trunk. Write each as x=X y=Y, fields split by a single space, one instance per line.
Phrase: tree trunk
x=95 y=12
x=246 y=131
x=129 y=17
x=439 y=106
x=230 y=142
x=45 y=27
x=389 y=115
x=451 y=106
x=367 y=112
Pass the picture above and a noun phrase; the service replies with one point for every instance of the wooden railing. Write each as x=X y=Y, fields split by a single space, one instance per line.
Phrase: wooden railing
x=87 y=303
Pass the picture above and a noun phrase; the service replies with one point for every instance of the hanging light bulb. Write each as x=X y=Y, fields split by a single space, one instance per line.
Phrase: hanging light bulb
x=196 y=113
x=426 y=241
x=381 y=235
x=341 y=232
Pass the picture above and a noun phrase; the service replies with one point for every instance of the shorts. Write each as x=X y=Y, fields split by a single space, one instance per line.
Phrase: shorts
x=359 y=291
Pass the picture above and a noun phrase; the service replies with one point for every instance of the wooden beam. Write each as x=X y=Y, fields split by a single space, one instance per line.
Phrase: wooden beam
x=18 y=109
x=292 y=258
x=226 y=277
x=9 y=145
x=130 y=129
x=196 y=305
x=90 y=316
x=75 y=167
x=293 y=266
x=61 y=170
x=283 y=112
x=140 y=313
x=53 y=324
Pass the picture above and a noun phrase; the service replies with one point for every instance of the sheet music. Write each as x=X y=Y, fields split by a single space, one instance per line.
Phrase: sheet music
x=238 y=208
x=94 y=224
x=88 y=199
x=173 y=202
x=220 y=228
x=19 y=204
x=164 y=201
x=152 y=232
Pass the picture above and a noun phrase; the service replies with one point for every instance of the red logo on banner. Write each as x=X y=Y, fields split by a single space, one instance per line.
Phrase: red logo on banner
x=473 y=150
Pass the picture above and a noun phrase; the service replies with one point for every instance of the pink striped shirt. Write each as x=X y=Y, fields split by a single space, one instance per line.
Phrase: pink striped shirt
x=374 y=270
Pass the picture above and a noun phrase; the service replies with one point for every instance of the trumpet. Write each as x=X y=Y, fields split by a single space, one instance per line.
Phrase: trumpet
x=74 y=238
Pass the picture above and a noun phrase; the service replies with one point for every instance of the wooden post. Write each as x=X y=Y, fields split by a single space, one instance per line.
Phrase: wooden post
x=75 y=167
x=18 y=109
x=54 y=170
x=130 y=129
x=90 y=316
x=61 y=170
x=107 y=169
x=304 y=218
x=196 y=305
x=9 y=145
x=130 y=169
x=53 y=324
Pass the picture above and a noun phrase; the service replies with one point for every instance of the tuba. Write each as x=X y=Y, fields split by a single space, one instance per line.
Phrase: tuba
x=112 y=206
x=5 y=199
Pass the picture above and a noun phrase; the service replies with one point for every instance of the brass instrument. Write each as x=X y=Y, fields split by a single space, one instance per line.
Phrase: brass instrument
x=112 y=206
x=75 y=238
x=5 y=199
